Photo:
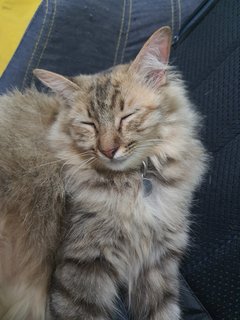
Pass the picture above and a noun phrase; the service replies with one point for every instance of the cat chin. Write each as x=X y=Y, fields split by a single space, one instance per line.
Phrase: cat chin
x=121 y=165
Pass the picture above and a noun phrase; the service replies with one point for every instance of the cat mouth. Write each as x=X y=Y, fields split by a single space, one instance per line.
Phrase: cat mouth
x=119 y=159
x=114 y=161
x=116 y=165
x=123 y=163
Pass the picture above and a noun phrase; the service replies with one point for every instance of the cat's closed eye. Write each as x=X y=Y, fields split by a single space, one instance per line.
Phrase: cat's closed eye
x=91 y=124
x=124 y=118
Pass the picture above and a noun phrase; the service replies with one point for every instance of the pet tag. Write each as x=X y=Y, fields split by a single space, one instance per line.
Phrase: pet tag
x=147 y=187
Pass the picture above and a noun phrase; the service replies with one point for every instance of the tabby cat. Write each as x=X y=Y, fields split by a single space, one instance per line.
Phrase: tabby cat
x=96 y=183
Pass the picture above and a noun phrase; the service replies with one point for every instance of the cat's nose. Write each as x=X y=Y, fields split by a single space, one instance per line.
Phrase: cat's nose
x=110 y=152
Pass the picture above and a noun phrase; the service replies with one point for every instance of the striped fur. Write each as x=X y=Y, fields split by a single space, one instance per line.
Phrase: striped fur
x=108 y=236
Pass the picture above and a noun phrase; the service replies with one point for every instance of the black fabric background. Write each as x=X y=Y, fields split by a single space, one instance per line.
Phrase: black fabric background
x=209 y=58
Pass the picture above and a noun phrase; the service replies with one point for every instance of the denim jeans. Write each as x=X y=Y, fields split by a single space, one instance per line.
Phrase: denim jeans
x=87 y=36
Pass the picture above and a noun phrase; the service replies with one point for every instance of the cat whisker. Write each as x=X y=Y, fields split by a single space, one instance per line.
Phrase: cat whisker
x=87 y=162
x=155 y=141
x=86 y=152
x=144 y=146
x=69 y=180
x=151 y=142
x=56 y=161
x=44 y=164
x=47 y=163
x=69 y=161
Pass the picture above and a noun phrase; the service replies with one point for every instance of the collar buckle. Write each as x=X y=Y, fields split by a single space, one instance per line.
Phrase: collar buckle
x=147 y=183
x=144 y=169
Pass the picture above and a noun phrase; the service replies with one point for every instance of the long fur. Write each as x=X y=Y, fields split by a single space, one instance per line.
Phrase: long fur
x=75 y=225
x=31 y=203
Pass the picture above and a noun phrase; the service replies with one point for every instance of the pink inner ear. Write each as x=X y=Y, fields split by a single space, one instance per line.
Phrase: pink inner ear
x=153 y=58
x=164 y=50
x=156 y=76
x=159 y=46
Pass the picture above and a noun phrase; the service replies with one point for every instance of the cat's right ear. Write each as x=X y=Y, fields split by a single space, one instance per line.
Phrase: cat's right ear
x=57 y=83
x=151 y=62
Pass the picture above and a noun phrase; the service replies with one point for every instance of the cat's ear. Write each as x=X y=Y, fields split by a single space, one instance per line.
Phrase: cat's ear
x=152 y=60
x=56 y=82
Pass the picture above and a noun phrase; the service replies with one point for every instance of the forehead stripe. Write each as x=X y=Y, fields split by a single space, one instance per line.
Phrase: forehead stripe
x=121 y=104
x=101 y=92
x=114 y=97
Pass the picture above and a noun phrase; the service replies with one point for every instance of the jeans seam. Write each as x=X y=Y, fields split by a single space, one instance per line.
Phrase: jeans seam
x=180 y=13
x=35 y=47
x=128 y=29
x=172 y=12
x=120 y=33
x=176 y=15
x=49 y=33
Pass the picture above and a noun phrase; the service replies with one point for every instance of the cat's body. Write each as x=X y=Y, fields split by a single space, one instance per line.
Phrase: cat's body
x=31 y=203
x=116 y=234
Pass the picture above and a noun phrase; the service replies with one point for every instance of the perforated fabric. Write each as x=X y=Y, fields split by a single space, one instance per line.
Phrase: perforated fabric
x=210 y=60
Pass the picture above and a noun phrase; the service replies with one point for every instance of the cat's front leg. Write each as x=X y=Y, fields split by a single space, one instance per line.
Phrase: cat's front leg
x=155 y=295
x=82 y=290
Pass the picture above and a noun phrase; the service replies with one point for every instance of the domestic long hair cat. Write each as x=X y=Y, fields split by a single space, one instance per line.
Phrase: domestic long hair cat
x=122 y=147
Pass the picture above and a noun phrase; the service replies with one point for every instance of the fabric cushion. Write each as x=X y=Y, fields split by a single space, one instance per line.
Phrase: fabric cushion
x=209 y=60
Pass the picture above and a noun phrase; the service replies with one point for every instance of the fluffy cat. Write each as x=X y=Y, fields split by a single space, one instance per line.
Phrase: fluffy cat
x=122 y=147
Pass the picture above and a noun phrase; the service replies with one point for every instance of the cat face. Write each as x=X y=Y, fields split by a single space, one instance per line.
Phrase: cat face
x=115 y=120
x=112 y=120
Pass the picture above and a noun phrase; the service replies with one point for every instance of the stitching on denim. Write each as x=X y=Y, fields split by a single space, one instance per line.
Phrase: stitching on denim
x=128 y=29
x=179 y=14
x=176 y=15
x=172 y=10
x=120 y=32
x=49 y=33
x=35 y=46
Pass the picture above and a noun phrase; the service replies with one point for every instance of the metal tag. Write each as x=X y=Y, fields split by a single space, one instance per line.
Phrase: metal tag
x=147 y=187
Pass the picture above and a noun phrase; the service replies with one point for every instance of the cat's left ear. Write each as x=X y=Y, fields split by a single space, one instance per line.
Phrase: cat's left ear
x=57 y=83
x=152 y=60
